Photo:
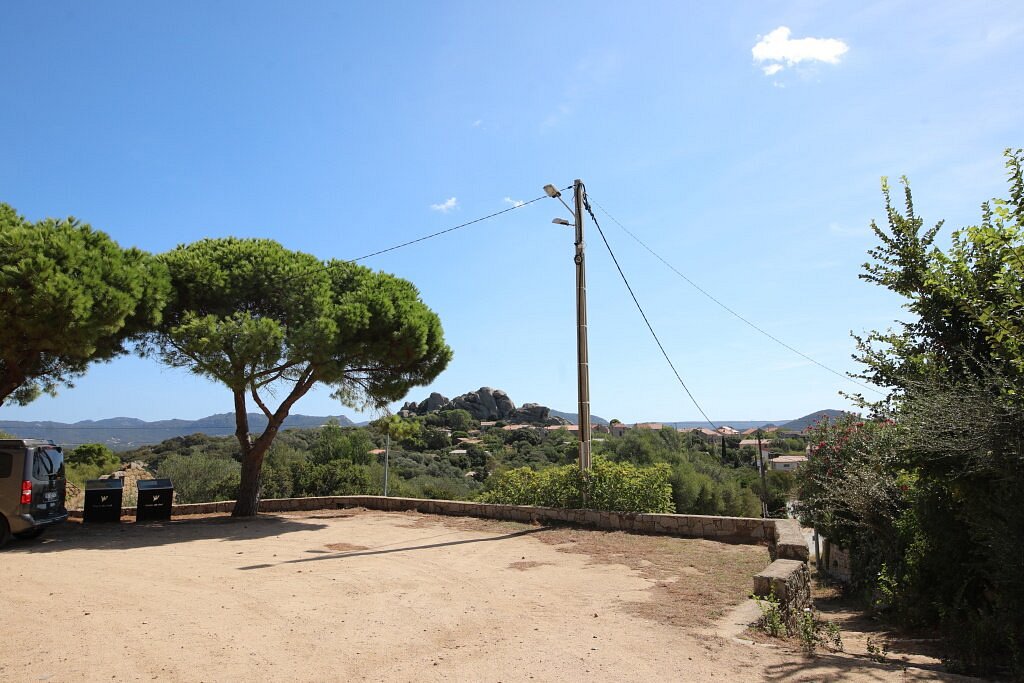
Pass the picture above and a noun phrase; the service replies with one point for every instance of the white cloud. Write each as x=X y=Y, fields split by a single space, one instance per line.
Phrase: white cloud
x=478 y=123
x=561 y=112
x=514 y=202
x=445 y=206
x=777 y=50
x=846 y=231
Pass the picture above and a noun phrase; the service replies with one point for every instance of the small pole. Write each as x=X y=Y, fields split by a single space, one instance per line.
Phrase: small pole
x=764 y=483
x=817 y=551
x=583 y=365
x=387 y=455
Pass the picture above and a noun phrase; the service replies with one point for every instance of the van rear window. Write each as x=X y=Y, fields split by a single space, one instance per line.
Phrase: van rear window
x=6 y=463
x=46 y=463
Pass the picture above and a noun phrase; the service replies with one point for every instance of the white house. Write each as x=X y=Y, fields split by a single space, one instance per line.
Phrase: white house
x=788 y=463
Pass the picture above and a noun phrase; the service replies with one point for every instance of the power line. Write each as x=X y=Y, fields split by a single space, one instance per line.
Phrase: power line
x=517 y=205
x=640 y=308
x=731 y=311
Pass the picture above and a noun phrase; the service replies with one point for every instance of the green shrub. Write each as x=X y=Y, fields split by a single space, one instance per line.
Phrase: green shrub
x=772 y=620
x=621 y=487
x=782 y=622
x=333 y=478
x=90 y=461
x=200 y=478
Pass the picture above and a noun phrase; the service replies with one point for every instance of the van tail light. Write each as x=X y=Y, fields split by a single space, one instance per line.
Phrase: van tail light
x=26 y=492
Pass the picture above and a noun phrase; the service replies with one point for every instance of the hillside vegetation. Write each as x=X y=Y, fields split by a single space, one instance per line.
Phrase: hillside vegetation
x=448 y=456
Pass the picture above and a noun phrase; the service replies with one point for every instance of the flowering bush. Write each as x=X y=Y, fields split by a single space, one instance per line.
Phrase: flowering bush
x=856 y=491
x=852 y=482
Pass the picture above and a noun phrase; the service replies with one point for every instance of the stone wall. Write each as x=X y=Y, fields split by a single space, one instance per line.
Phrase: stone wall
x=783 y=537
x=790 y=543
x=788 y=573
x=835 y=561
x=790 y=581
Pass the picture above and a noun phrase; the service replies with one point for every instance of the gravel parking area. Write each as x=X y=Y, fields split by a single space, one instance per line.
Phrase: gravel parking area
x=362 y=595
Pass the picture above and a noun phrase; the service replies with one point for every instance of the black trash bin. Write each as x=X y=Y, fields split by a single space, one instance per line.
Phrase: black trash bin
x=103 y=500
x=155 y=496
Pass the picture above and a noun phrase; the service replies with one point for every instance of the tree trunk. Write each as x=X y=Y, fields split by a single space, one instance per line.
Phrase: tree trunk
x=10 y=381
x=247 y=504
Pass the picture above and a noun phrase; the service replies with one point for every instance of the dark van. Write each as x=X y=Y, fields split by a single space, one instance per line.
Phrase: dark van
x=32 y=487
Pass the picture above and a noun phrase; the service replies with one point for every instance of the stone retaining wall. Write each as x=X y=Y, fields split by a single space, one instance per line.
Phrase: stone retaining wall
x=783 y=537
x=787 y=574
x=790 y=543
x=790 y=582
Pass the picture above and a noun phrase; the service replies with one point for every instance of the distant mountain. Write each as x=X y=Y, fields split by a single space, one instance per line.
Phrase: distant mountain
x=800 y=424
x=574 y=418
x=735 y=424
x=123 y=433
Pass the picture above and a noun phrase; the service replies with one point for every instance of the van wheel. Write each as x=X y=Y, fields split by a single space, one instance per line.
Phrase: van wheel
x=30 y=534
x=5 y=531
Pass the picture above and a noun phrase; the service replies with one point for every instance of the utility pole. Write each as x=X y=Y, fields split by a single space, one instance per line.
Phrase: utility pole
x=387 y=456
x=764 y=485
x=583 y=364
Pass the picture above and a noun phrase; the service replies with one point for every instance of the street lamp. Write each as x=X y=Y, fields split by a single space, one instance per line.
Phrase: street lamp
x=583 y=364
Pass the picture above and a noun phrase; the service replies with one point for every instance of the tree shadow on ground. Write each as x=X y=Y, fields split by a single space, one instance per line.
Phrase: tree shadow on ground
x=388 y=549
x=78 y=536
x=837 y=668
x=871 y=646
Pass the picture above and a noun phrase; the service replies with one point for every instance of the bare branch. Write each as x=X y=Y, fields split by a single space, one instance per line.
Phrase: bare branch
x=259 y=402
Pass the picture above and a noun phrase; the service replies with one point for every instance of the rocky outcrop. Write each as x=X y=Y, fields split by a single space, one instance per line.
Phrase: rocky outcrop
x=484 y=404
x=433 y=402
x=532 y=412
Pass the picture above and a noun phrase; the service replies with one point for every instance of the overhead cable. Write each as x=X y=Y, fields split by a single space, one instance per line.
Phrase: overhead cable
x=640 y=308
x=731 y=311
x=517 y=205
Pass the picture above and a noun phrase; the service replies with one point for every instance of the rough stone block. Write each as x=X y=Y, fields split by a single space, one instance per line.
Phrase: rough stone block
x=790 y=580
x=790 y=543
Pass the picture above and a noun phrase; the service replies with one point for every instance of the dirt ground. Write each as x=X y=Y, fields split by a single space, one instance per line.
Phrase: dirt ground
x=361 y=595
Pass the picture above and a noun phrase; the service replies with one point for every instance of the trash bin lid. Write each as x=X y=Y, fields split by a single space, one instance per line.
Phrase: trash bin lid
x=103 y=484
x=153 y=484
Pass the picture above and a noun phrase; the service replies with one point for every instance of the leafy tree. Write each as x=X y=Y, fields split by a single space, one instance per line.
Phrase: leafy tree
x=477 y=458
x=436 y=439
x=335 y=443
x=69 y=296
x=967 y=304
x=458 y=420
x=395 y=427
x=935 y=520
x=90 y=461
x=282 y=468
x=95 y=454
x=262 y=319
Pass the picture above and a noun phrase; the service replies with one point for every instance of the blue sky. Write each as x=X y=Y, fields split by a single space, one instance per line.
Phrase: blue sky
x=342 y=128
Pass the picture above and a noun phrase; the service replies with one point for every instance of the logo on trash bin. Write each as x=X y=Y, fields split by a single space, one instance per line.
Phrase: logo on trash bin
x=104 y=499
x=156 y=498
